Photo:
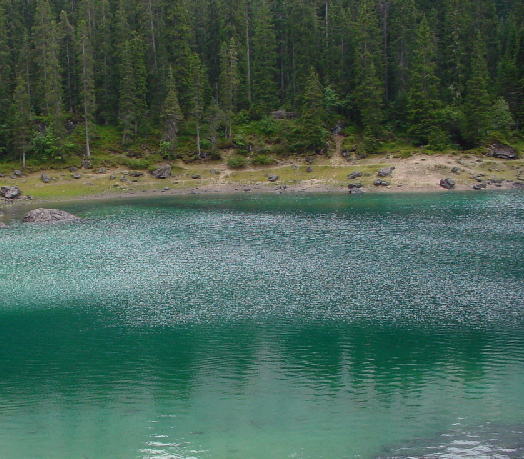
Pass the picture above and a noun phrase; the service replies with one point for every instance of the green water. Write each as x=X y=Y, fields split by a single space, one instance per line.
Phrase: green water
x=269 y=326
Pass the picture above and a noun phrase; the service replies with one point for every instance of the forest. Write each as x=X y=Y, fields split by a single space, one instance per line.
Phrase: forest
x=189 y=78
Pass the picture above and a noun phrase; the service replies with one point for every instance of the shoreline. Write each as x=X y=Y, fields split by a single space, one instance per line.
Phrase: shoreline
x=419 y=174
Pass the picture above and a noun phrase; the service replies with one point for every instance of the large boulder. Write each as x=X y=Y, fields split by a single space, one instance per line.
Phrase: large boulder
x=49 y=216
x=447 y=183
x=163 y=172
x=386 y=172
x=502 y=151
x=10 y=192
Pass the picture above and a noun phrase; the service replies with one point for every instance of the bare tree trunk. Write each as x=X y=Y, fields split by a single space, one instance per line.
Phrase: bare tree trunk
x=153 y=37
x=86 y=114
x=248 y=57
x=199 y=150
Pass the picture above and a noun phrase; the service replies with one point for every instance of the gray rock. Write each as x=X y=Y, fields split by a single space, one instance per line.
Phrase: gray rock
x=76 y=176
x=356 y=191
x=386 y=172
x=136 y=174
x=456 y=170
x=10 y=192
x=45 y=178
x=518 y=185
x=102 y=170
x=273 y=178
x=18 y=173
x=479 y=186
x=49 y=216
x=502 y=151
x=355 y=186
x=196 y=177
x=309 y=170
x=162 y=173
x=73 y=169
x=447 y=183
x=354 y=175
x=3 y=226
x=380 y=182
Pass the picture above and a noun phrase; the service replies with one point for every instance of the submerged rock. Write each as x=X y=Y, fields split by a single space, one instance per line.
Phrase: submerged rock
x=162 y=173
x=49 y=216
x=10 y=192
x=502 y=151
x=447 y=183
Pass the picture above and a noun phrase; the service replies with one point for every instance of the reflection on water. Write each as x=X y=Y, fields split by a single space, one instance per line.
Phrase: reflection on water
x=266 y=327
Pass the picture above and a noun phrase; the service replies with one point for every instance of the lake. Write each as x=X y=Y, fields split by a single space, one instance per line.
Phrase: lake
x=266 y=326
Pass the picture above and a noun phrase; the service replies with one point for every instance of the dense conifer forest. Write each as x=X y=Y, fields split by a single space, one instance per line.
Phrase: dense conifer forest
x=189 y=78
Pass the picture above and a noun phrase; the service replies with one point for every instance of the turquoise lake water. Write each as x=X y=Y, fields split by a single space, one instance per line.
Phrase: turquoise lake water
x=271 y=326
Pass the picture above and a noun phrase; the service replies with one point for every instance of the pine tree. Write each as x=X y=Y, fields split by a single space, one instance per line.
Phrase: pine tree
x=48 y=80
x=264 y=60
x=477 y=103
x=423 y=93
x=171 y=114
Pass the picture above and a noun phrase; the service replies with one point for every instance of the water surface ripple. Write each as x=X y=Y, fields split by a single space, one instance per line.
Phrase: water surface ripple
x=319 y=326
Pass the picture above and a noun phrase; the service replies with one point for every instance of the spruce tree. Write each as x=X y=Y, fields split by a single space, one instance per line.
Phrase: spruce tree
x=21 y=117
x=171 y=114
x=313 y=113
x=369 y=90
x=477 y=103
x=423 y=93
x=265 y=93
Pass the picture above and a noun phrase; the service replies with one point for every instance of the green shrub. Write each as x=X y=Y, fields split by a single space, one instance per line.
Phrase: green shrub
x=236 y=162
x=262 y=160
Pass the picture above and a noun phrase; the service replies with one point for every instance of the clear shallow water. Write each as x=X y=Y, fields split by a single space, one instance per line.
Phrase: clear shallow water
x=266 y=326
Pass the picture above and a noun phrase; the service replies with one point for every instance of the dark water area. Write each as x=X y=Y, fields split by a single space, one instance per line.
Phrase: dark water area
x=318 y=326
